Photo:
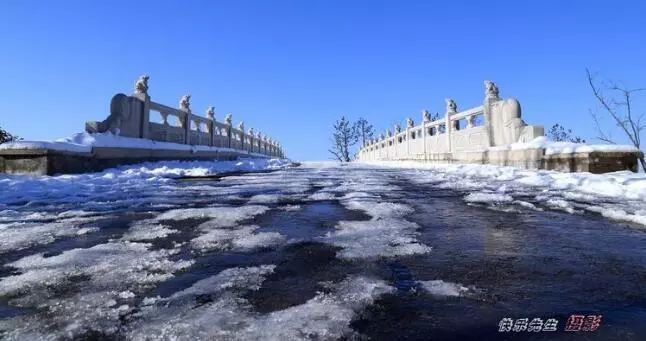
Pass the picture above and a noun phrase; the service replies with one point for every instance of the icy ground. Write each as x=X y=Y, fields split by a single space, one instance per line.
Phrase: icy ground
x=320 y=252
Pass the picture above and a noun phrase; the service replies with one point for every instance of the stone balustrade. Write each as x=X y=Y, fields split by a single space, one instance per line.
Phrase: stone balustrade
x=130 y=116
x=496 y=122
x=484 y=135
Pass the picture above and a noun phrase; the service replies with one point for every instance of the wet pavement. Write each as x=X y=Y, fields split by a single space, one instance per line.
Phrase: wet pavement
x=355 y=253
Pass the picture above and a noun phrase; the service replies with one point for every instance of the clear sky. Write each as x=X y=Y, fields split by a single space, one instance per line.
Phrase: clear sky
x=290 y=68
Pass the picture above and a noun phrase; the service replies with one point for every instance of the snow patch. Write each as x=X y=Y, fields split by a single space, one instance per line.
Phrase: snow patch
x=441 y=288
x=244 y=238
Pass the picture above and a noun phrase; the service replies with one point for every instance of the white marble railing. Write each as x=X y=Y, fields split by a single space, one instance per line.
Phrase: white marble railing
x=496 y=122
x=131 y=116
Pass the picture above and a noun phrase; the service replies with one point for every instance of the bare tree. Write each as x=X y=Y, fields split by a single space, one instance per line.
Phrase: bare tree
x=560 y=134
x=343 y=138
x=619 y=106
x=364 y=130
x=5 y=136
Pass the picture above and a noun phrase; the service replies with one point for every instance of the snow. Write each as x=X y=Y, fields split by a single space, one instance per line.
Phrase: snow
x=243 y=238
x=145 y=230
x=21 y=235
x=552 y=147
x=228 y=316
x=141 y=283
x=386 y=237
x=82 y=289
x=84 y=143
x=483 y=197
x=618 y=195
x=442 y=288
x=222 y=216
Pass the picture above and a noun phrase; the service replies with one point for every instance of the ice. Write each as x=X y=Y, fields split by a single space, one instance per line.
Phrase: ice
x=289 y=208
x=378 y=209
x=234 y=278
x=221 y=216
x=117 y=264
x=17 y=236
x=384 y=237
x=147 y=230
x=244 y=238
x=483 y=197
x=442 y=288
x=322 y=196
x=81 y=290
x=228 y=316
x=264 y=199
x=617 y=191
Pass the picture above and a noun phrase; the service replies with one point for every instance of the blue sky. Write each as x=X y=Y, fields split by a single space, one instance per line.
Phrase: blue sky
x=290 y=68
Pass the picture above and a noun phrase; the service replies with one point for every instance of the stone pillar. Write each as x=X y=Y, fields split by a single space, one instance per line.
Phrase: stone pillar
x=410 y=124
x=251 y=140
x=228 y=121
x=426 y=117
x=185 y=106
x=141 y=93
x=451 y=109
x=491 y=99
x=210 y=115
x=241 y=128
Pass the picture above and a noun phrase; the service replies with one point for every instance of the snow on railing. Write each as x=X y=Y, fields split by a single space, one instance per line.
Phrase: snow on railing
x=496 y=122
x=130 y=117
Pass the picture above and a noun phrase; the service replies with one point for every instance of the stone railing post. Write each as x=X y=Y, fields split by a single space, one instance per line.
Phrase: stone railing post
x=210 y=115
x=251 y=140
x=426 y=117
x=241 y=128
x=185 y=106
x=410 y=124
x=491 y=97
x=228 y=122
x=451 y=108
x=141 y=93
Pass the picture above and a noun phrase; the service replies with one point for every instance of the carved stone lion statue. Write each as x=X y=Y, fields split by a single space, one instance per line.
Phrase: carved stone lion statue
x=210 y=113
x=185 y=103
x=491 y=90
x=426 y=115
x=141 y=85
x=451 y=107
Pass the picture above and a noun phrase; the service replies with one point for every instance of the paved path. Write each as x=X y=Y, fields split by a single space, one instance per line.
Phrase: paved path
x=316 y=252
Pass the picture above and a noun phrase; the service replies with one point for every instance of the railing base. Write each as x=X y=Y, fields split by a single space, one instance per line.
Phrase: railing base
x=593 y=162
x=51 y=162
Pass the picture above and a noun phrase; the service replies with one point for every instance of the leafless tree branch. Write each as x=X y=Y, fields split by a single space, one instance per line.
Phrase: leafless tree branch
x=620 y=110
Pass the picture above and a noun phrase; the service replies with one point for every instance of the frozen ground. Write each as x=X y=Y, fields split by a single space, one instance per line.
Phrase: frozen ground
x=320 y=252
